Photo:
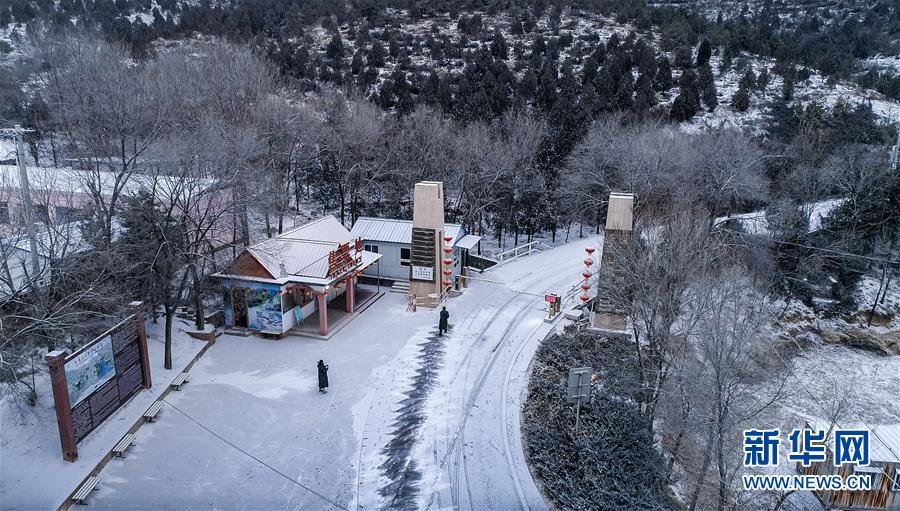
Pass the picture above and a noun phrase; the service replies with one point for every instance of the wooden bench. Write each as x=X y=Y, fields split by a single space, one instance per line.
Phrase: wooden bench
x=180 y=380
x=90 y=485
x=126 y=442
x=153 y=411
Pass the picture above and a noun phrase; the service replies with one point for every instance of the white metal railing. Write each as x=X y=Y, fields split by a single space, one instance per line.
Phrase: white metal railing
x=521 y=250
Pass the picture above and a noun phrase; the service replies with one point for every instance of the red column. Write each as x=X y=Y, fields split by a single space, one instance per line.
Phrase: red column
x=350 y=301
x=56 y=362
x=323 y=313
x=138 y=310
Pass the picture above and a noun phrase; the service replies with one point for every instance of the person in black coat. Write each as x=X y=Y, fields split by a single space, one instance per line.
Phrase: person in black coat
x=442 y=324
x=323 y=376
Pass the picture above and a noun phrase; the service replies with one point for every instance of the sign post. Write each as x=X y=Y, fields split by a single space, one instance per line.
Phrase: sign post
x=553 y=306
x=578 y=390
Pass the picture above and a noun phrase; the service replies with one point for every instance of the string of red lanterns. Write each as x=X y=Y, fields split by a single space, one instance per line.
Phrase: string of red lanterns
x=586 y=284
x=447 y=261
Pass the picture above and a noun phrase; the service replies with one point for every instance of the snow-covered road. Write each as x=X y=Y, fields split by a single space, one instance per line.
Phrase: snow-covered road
x=468 y=451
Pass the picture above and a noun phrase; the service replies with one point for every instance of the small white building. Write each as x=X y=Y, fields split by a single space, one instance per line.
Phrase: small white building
x=393 y=238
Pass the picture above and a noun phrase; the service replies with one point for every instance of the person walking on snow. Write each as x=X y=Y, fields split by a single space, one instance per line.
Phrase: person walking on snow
x=323 y=377
x=442 y=324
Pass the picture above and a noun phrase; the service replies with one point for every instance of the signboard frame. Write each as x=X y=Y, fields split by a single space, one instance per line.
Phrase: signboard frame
x=93 y=382
x=423 y=254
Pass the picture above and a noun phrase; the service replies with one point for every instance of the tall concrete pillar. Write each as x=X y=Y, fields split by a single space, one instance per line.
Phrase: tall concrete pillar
x=609 y=315
x=425 y=281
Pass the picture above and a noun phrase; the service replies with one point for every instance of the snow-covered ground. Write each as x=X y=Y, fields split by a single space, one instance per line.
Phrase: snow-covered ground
x=33 y=474
x=251 y=430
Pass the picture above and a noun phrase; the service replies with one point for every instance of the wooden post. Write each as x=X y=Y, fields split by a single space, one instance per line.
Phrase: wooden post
x=137 y=307
x=56 y=362
x=350 y=299
x=323 y=313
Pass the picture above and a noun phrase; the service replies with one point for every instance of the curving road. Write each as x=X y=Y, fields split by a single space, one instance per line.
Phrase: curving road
x=460 y=438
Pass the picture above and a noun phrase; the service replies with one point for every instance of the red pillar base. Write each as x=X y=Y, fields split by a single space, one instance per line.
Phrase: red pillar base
x=350 y=299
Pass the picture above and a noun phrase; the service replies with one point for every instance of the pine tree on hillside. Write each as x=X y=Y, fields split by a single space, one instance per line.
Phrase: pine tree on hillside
x=644 y=95
x=762 y=81
x=704 y=52
x=335 y=48
x=687 y=103
x=356 y=64
x=707 y=85
x=748 y=81
x=623 y=99
x=376 y=54
x=498 y=46
x=663 y=80
x=589 y=70
x=727 y=56
x=741 y=99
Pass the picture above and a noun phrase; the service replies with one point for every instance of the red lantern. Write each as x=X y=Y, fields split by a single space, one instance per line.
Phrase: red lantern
x=448 y=250
x=584 y=298
x=448 y=239
x=448 y=262
x=448 y=272
x=585 y=286
x=588 y=261
x=586 y=274
x=447 y=283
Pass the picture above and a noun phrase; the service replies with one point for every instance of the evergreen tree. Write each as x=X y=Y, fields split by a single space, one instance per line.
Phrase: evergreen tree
x=687 y=103
x=376 y=54
x=707 y=85
x=623 y=98
x=498 y=46
x=644 y=95
x=762 y=81
x=727 y=56
x=704 y=52
x=748 y=81
x=589 y=70
x=356 y=64
x=546 y=91
x=741 y=99
x=335 y=48
x=663 y=81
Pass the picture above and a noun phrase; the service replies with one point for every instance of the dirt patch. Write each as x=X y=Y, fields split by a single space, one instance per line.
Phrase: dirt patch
x=883 y=343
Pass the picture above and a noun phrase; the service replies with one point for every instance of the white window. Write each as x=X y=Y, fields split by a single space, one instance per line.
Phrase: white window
x=371 y=248
x=404 y=256
x=896 y=476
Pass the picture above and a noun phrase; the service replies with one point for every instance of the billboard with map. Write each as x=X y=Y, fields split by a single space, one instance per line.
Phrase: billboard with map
x=103 y=375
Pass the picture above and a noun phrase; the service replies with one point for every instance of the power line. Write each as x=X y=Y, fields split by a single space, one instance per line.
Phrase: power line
x=261 y=462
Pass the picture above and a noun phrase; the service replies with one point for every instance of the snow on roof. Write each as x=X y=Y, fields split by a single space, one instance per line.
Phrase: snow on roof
x=468 y=241
x=389 y=230
x=303 y=251
x=285 y=256
x=61 y=179
x=327 y=228
x=884 y=439
x=53 y=243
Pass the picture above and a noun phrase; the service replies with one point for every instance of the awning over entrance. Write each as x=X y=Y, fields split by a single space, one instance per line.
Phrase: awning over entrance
x=468 y=241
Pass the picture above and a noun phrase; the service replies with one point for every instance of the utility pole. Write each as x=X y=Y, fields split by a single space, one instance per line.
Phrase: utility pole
x=17 y=133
